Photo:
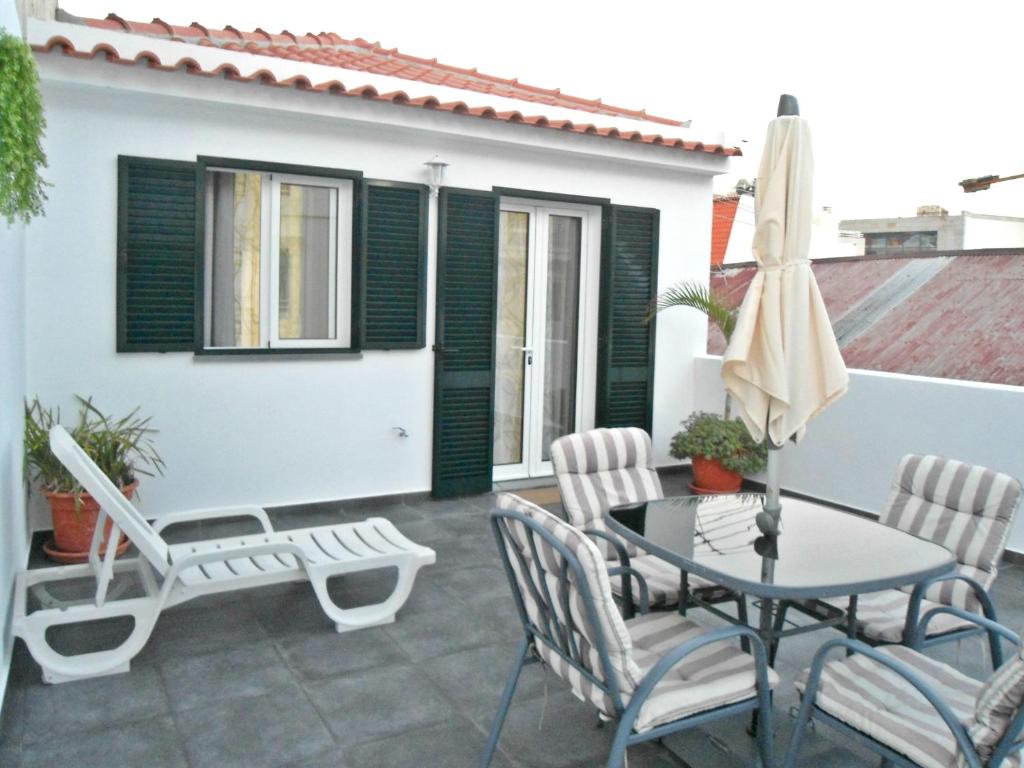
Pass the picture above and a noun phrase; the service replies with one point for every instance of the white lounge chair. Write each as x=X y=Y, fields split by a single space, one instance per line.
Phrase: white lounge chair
x=173 y=573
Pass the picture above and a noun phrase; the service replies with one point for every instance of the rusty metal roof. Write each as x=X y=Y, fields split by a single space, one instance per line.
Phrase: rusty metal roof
x=949 y=314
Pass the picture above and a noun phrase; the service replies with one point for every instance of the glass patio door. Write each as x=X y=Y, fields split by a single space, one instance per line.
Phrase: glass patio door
x=541 y=266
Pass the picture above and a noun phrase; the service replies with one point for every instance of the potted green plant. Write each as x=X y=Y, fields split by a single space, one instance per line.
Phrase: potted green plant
x=722 y=452
x=720 y=447
x=122 y=449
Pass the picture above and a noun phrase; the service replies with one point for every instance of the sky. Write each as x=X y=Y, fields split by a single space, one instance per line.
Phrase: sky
x=904 y=98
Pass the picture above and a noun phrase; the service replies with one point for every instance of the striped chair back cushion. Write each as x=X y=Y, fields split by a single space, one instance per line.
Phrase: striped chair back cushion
x=563 y=633
x=998 y=702
x=603 y=468
x=967 y=509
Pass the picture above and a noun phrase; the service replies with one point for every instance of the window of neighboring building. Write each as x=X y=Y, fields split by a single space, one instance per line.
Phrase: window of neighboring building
x=278 y=260
x=884 y=243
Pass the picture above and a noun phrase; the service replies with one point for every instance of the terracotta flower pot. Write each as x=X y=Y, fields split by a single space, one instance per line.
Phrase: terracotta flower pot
x=73 y=528
x=709 y=476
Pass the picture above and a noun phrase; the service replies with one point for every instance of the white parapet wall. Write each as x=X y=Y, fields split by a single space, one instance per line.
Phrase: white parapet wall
x=850 y=451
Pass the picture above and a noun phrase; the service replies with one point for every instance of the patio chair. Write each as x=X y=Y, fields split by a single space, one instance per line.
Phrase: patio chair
x=967 y=509
x=913 y=710
x=603 y=468
x=655 y=674
x=173 y=573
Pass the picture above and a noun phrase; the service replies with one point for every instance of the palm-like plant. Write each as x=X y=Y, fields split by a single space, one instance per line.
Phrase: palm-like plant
x=690 y=293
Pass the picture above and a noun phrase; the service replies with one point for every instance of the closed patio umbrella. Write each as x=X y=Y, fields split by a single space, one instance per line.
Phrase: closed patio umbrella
x=783 y=365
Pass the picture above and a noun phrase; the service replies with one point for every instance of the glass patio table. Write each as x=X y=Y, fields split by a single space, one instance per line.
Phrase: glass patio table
x=821 y=552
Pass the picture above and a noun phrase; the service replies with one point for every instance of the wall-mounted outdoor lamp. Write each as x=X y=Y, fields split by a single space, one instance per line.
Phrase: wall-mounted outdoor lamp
x=436 y=168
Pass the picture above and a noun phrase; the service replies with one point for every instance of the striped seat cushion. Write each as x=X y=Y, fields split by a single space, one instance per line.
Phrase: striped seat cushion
x=601 y=469
x=882 y=616
x=879 y=703
x=715 y=675
x=542 y=598
x=998 y=702
x=967 y=509
x=663 y=580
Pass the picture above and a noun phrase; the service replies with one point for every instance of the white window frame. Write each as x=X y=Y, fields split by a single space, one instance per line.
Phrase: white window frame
x=340 y=289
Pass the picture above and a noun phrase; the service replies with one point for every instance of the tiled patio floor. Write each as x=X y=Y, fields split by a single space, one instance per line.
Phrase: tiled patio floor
x=261 y=679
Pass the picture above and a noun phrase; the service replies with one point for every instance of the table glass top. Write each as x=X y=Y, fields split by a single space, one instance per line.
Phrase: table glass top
x=821 y=551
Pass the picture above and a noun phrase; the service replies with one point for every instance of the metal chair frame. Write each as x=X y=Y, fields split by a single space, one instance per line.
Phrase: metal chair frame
x=809 y=710
x=559 y=638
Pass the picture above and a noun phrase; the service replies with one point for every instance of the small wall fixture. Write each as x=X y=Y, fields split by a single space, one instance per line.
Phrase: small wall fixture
x=436 y=168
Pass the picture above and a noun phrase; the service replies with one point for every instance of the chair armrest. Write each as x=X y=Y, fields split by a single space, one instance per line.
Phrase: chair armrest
x=921 y=630
x=912 y=628
x=645 y=595
x=214 y=513
x=628 y=608
x=944 y=711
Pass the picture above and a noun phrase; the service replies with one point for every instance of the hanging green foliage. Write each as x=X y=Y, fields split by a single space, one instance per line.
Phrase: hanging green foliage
x=22 y=189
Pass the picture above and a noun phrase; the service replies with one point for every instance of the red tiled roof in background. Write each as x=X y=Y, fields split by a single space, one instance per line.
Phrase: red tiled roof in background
x=332 y=50
x=964 y=323
x=357 y=56
x=723 y=213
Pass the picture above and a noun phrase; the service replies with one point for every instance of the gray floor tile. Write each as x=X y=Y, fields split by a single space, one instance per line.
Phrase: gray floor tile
x=424 y=636
x=111 y=701
x=475 y=679
x=148 y=743
x=189 y=631
x=372 y=705
x=323 y=655
x=272 y=730
x=455 y=744
x=253 y=669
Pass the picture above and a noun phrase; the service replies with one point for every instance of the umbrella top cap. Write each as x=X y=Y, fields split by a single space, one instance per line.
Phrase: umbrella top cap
x=788 y=106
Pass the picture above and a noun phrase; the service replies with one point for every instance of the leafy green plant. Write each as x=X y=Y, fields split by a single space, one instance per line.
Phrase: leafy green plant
x=22 y=189
x=726 y=440
x=121 y=448
x=690 y=293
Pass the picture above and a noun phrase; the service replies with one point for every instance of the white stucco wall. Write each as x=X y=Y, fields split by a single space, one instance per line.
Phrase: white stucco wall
x=13 y=530
x=289 y=431
x=982 y=231
x=851 y=450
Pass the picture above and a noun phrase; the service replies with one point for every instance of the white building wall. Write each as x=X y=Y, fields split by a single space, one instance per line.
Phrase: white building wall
x=982 y=231
x=13 y=528
x=273 y=431
x=851 y=450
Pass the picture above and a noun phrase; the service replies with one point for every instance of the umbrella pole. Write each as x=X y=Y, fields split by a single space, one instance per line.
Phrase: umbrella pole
x=769 y=521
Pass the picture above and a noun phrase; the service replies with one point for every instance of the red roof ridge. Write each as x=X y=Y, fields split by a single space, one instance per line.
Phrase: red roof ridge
x=330 y=41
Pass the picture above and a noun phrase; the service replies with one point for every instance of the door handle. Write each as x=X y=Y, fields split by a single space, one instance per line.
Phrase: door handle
x=528 y=351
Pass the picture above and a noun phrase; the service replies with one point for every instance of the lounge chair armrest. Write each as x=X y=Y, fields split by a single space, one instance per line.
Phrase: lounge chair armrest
x=684 y=649
x=233 y=553
x=645 y=594
x=214 y=513
x=944 y=711
x=921 y=630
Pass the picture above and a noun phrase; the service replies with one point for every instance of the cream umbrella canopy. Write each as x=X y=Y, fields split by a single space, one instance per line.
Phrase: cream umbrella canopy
x=783 y=365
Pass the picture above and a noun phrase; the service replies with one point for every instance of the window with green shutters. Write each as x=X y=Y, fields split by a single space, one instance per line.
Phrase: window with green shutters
x=629 y=270
x=172 y=295
x=157 y=267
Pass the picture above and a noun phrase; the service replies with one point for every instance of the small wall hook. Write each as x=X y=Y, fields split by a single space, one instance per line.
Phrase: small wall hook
x=401 y=431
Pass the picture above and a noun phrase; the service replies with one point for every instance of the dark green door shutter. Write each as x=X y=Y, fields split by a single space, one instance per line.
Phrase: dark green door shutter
x=157 y=264
x=395 y=268
x=467 y=277
x=625 y=364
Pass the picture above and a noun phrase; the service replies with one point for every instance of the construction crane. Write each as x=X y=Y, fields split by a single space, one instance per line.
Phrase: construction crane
x=984 y=182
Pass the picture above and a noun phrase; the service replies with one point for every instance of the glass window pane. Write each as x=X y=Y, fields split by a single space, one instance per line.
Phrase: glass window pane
x=509 y=358
x=306 y=263
x=235 y=259
x=560 y=346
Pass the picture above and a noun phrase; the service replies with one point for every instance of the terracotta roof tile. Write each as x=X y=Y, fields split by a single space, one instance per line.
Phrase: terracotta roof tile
x=329 y=49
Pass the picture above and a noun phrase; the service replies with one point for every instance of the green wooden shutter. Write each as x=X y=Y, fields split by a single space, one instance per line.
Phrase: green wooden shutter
x=629 y=271
x=467 y=279
x=394 y=275
x=157 y=264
